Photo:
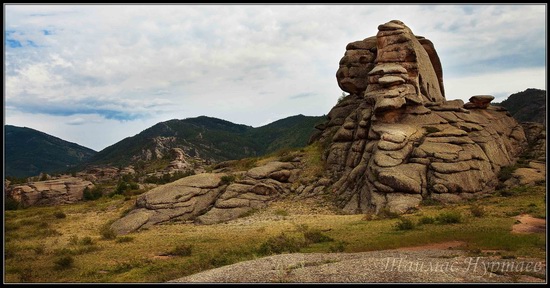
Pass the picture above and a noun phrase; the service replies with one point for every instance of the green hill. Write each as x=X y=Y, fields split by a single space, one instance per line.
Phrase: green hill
x=527 y=106
x=210 y=139
x=29 y=152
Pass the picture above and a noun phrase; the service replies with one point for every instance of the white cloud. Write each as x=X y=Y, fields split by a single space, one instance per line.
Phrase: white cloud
x=496 y=84
x=244 y=63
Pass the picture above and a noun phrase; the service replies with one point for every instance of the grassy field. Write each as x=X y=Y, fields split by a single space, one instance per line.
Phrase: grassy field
x=68 y=243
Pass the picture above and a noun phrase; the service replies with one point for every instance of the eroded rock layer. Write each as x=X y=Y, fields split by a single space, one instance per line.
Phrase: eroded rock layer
x=396 y=140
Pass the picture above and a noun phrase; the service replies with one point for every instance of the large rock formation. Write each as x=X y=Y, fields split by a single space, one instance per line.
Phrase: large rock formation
x=210 y=197
x=396 y=140
x=64 y=190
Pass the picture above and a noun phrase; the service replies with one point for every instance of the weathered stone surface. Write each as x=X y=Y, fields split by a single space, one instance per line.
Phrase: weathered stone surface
x=447 y=198
x=479 y=102
x=388 y=68
x=532 y=175
x=413 y=141
x=265 y=170
x=402 y=203
x=529 y=176
x=406 y=178
x=132 y=221
x=536 y=139
x=389 y=80
x=206 y=199
x=63 y=190
x=216 y=215
x=447 y=168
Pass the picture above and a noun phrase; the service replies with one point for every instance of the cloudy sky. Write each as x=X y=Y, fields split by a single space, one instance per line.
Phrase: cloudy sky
x=95 y=74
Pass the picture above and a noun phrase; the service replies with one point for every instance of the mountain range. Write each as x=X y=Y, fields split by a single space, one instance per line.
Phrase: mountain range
x=30 y=152
x=210 y=139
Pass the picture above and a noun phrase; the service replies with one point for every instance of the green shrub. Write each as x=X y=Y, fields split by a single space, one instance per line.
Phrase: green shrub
x=39 y=249
x=506 y=193
x=249 y=212
x=342 y=97
x=385 y=213
x=226 y=257
x=86 y=241
x=73 y=239
x=63 y=262
x=426 y=220
x=287 y=158
x=404 y=224
x=107 y=232
x=280 y=244
x=25 y=275
x=477 y=211
x=540 y=182
x=430 y=202
x=281 y=212
x=227 y=179
x=11 y=204
x=506 y=172
x=11 y=226
x=508 y=257
x=59 y=214
x=181 y=250
x=316 y=236
x=167 y=178
x=43 y=177
x=514 y=191
x=449 y=217
x=92 y=194
x=15 y=180
x=85 y=249
x=124 y=239
x=339 y=246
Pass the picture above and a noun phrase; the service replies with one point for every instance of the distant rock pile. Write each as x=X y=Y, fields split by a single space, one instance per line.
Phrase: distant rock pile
x=50 y=192
x=396 y=140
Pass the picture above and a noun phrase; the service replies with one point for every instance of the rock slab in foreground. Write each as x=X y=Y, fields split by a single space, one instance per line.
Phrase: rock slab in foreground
x=390 y=266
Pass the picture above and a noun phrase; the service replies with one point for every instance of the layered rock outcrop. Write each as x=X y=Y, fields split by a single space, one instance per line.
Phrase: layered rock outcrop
x=51 y=192
x=210 y=197
x=396 y=140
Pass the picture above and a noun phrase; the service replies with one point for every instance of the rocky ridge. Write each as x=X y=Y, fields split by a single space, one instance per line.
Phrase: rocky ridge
x=394 y=141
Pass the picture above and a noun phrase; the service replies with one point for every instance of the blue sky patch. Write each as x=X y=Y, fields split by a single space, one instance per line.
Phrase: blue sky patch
x=13 y=43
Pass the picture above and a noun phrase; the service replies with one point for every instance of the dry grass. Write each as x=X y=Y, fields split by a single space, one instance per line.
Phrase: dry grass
x=31 y=258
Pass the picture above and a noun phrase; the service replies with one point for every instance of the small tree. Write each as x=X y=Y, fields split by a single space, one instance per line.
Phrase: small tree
x=342 y=97
x=43 y=177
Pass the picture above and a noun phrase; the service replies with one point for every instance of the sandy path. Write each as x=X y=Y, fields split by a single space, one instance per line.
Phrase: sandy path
x=529 y=224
